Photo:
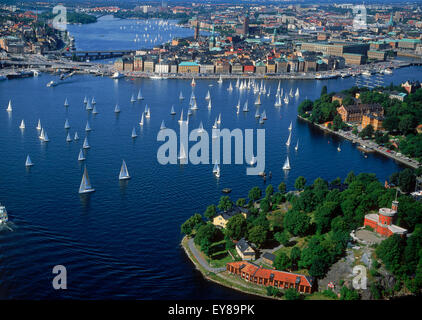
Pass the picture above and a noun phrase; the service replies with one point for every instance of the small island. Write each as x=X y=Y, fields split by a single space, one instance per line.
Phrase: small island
x=304 y=244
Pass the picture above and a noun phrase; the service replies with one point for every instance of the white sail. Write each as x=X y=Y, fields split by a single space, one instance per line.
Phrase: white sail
x=93 y=101
x=88 y=106
x=220 y=80
x=257 y=115
x=181 y=118
x=216 y=167
x=76 y=137
x=290 y=126
x=141 y=123
x=124 y=173
x=132 y=99
x=85 y=186
x=39 y=125
x=42 y=135
x=9 y=106
x=46 y=139
x=288 y=139
x=66 y=104
x=291 y=92
x=172 y=112
x=297 y=92
x=163 y=126
x=28 y=162
x=81 y=156
x=22 y=125
x=140 y=95
x=181 y=97
x=230 y=88
x=117 y=108
x=218 y=171
x=215 y=125
x=134 y=135
x=338 y=148
x=258 y=100
x=94 y=111
x=219 y=119
x=68 y=138
x=264 y=115
x=245 y=107
x=87 y=127
x=148 y=113
x=193 y=82
x=209 y=105
x=286 y=165
x=85 y=100
x=208 y=96
x=297 y=145
x=182 y=154
x=86 y=144
x=253 y=160
x=66 y=124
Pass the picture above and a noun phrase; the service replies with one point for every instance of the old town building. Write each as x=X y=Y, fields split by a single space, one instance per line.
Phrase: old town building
x=382 y=223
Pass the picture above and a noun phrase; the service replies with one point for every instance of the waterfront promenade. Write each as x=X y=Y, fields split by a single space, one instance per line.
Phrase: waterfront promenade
x=368 y=145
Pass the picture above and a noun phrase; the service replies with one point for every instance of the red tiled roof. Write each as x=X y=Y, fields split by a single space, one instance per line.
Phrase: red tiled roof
x=257 y=271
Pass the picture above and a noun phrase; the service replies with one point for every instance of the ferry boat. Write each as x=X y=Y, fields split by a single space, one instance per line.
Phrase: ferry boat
x=3 y=215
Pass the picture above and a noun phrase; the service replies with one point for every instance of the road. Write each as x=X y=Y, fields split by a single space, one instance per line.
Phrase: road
x=199 y=258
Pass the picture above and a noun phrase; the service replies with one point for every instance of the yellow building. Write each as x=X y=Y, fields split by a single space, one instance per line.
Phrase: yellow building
x=222 y=219
x=372 y=119
x=188 y=67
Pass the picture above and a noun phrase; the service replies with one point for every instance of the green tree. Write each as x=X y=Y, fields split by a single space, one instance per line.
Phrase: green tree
x=295 y=257
x=225 y=203
x=407 y=180
x=282 y=187
x=282 y=262
x=297 y=223
x=205 y=236
x=269 y=191
x=367 y=132
x=390 y=251
x=291 y=294
x=324 y=90
x=282 y=238
x=348 y=294
x=350 y=178
x=189 y=225
x=257 y=235
x=241 y=202
x=254 y=194
x=210 y=212
x=236 y=227
x=300 y=183
x=264 y=205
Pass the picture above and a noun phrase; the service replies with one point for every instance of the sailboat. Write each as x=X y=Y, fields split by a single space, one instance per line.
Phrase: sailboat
x=28 y=162
x=181 y=97
x=46 y=139
x=181 y=118
x=141 y=123
x=257 y=115
x=22 y=125
x=216 y=168
x=81 y=156
x=237 y=83
x=88 y=106
x=87 y=127
x=172 y=112
x=219 y=119
x=217 y=173
x=286 y=165
x=66 y=104
x=286 y=99
x=189 y=112
x=297 y=92
x=76 y=137
x=85 y=100
x=291 y=92
x=85 y=186
x=297 y=145
x=86 y=144
x=253 y=160
x=42 y=135
x=238 y=109
x=66 y=124
x=132 y=99
x=258 y=99
x=93 y=102
x=220 y=80
x=39 y=125
x=163 y=126
x=140 y=97
x=134 y=135
x=290 y=127
x=201 y=127
x=278 y=101
x=288 y=139
x=195 y=106
x=264 y=115
x=208 y=96
x=338 y=148
x=193 y=82
x=9 y=106
x=148 y=113
x=124 y=173
x=230 y=88
x=182 y=154
x=94 y=111
x=116 y=109
x=245 y=107
x=68 y=138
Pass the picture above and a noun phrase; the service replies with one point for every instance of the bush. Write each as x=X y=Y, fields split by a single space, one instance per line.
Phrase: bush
x=292 y=294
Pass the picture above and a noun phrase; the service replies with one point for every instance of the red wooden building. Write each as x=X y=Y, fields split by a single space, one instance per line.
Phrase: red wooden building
x=268 y=277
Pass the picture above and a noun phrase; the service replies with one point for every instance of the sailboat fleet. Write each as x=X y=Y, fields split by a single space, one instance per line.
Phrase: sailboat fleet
x=260 y=91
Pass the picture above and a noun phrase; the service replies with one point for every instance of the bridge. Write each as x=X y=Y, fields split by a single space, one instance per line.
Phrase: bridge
x=83 y=55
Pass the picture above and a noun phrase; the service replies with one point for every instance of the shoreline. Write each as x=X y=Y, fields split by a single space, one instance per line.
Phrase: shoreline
x=367 y=146
x=208 y=275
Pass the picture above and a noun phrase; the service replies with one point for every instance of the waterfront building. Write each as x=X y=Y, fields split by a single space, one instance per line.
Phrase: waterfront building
x=382 y=223
x=271 y=66
x=138 y=63
x=162 y=67
x=377 y=55
x=282 y=65
x=207 y=68
x=222 y=66
x=354 y=58
x=374 y=120
x=251 y=272
x=355 y=112
x=260 y=67
x=149 y=65
x=128 y=64
x=244 y=250
x=188 y=67
x=237 y=68
x=411 y=86
x=118 y=64
x=221 y=219
x=268 y=258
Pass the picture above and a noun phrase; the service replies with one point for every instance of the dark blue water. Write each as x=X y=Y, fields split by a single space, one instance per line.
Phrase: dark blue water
x=123 y=240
